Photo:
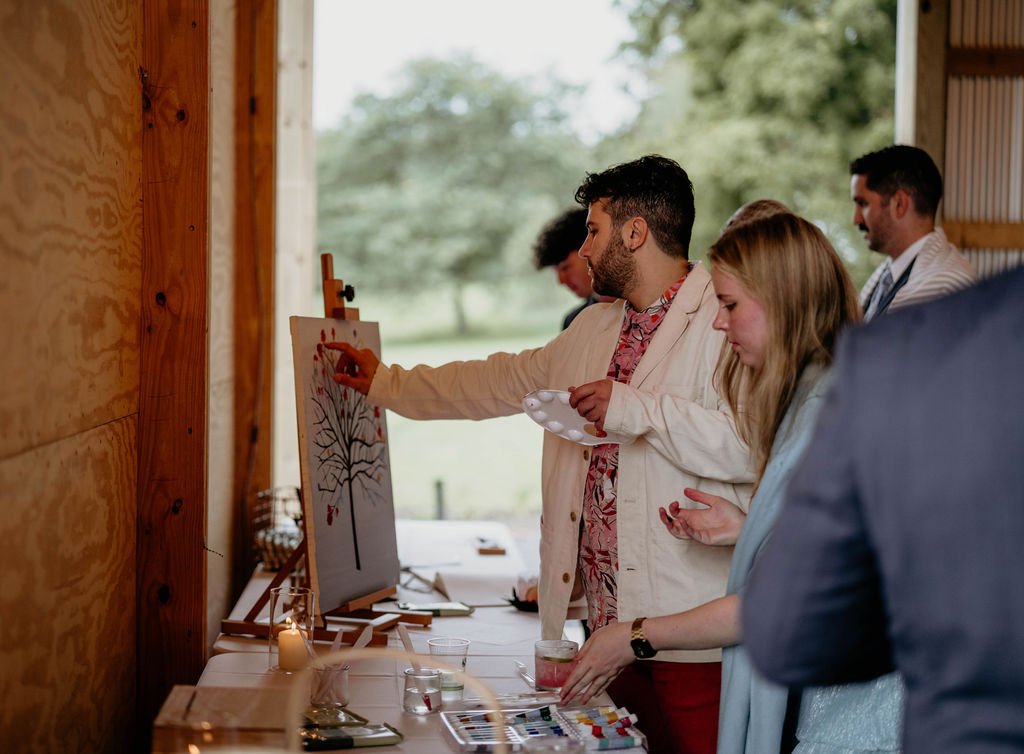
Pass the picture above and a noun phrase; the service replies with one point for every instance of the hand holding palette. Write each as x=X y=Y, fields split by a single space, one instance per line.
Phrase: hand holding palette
x=551 y=410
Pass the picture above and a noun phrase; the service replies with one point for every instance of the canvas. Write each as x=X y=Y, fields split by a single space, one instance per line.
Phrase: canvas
x=346 y=477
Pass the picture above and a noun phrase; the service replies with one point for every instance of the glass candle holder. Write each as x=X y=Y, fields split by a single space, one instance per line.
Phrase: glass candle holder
x=422 y=695
x=290 y=640
x=328 y=696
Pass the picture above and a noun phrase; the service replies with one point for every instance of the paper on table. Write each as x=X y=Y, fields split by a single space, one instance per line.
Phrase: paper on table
x=510 y=636
x=475 y=589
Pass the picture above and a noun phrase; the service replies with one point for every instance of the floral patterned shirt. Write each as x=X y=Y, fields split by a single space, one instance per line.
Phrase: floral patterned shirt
x=598 y=553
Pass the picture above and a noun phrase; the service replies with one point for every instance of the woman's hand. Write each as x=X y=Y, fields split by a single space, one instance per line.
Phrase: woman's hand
x=718 y=524
x=606 y=653
x=355 y=367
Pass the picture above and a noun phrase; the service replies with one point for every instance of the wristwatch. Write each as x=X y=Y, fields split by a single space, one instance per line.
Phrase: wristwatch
x=638 y=640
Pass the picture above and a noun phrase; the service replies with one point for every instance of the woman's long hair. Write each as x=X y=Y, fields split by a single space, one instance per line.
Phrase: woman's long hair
x=790 y=267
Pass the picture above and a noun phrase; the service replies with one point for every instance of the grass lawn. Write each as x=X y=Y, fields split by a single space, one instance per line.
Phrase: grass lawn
x=488 y=469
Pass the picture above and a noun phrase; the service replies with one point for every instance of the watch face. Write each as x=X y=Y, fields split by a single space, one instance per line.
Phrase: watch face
x=643 y=649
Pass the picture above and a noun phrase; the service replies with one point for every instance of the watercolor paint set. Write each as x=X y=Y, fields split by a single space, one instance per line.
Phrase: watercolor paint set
x=599 y=728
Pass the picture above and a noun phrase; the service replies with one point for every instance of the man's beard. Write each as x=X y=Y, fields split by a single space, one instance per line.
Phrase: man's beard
x=615 y=273
x=874 y=244
x=879 y=232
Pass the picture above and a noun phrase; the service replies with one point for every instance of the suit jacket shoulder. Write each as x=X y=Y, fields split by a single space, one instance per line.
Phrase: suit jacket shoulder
x=922 y=425
x=939 y=269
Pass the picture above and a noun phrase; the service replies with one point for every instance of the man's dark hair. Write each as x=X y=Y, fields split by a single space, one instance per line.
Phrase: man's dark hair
x=902 y=167
x=562 y=236
x=654 y=188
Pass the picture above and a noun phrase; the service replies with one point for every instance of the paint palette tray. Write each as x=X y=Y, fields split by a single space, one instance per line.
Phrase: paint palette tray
x=478 y=730
x=551 y=410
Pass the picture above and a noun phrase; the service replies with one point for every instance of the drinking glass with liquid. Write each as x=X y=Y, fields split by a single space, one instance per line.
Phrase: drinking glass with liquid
x=422 y=691
x=553 y=662
x=455 y=652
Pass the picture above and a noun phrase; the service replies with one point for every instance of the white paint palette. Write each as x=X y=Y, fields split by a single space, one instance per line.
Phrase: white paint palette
x=551 y=410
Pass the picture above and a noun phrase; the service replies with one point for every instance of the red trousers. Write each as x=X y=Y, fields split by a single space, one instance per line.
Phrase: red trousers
x=676 y=704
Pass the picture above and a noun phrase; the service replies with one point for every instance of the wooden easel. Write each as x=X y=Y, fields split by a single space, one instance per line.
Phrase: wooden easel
x=336 y=293
x=356 y=611
x=353 y=612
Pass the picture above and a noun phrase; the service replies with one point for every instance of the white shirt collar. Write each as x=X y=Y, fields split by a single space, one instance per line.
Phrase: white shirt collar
x=900 y=264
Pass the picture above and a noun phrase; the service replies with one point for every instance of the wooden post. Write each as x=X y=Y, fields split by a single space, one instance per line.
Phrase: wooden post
x=171 y=557
x=255 y=123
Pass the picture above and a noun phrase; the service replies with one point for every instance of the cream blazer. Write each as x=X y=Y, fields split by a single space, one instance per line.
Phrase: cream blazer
x=682 y=435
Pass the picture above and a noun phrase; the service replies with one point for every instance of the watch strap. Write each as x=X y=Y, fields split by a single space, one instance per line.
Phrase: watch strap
x=638 y=630
x=638 y=641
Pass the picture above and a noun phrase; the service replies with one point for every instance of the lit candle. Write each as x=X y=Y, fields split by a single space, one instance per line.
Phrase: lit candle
x=291 y=649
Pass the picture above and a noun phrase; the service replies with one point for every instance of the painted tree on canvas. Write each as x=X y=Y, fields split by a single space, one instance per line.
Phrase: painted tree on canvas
x=351 y=453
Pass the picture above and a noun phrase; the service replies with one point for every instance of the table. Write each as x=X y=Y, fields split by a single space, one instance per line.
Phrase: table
x=237 y=677
x=499 y=636
x=425 y=548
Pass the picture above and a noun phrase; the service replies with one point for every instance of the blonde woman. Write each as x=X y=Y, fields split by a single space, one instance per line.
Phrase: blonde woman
x=783 y=298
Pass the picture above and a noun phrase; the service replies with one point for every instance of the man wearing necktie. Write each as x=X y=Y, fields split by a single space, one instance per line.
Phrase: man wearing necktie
x=896 y=193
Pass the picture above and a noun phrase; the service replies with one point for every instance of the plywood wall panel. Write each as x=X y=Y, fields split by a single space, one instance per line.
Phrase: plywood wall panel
x=70 y=216
x=70 y=253
x=67 y=594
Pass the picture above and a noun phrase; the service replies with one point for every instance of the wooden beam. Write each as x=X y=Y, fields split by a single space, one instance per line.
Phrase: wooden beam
x=966 y=234
x=985 y=61
x=255 y=123
x=171 y=557
x=930 y=86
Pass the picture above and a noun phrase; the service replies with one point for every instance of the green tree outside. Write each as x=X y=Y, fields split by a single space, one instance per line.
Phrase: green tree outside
x=765 y=98
x=444 y=183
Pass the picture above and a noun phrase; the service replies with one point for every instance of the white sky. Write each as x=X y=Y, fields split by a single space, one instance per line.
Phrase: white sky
x=360 y=44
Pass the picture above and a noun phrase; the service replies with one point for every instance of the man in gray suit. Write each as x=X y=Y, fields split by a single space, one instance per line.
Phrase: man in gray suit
x=901 y=541
x=896 y=193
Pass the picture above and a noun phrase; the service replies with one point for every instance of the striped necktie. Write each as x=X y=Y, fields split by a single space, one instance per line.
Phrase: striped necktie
x=880 y=293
